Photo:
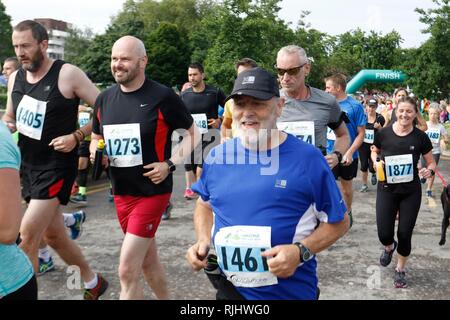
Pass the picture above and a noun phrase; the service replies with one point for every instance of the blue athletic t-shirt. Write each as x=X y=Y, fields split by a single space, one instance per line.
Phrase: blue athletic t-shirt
x=298 y=190
x=355 y=113
x=15 y=267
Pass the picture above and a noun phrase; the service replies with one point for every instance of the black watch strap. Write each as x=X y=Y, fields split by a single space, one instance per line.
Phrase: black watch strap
x=171 y=165
x=305 y=253
x=432 y=172
x=339 y=155
x=299 y=246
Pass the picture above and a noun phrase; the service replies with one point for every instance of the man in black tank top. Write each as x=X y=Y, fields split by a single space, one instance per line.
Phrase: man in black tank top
x=203 y=102
x=43 y=98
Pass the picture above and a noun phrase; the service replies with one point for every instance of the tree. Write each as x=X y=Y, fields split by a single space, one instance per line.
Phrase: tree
x=431 y=75
x=423 y=71
x=6 y=49
x=77 y=43
x=168 y=55
x=354 y=50
x=242 y=28
x=96 y=61
x=140 y=19
x=317 y=46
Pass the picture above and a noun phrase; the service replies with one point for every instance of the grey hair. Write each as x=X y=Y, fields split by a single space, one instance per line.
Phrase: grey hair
x=294 y=49
x=435 y=106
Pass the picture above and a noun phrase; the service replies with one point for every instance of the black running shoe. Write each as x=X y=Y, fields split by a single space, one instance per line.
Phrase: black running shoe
x=373 y=180
x=386 y=256
x=400 y=279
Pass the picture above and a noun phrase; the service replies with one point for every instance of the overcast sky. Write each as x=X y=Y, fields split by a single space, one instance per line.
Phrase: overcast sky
x=330 y=16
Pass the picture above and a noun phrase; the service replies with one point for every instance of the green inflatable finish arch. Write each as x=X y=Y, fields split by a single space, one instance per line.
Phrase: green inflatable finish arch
x=390 y=76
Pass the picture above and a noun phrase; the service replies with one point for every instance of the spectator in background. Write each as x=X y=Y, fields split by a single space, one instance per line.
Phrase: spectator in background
x=202 y=101
x=9 y=66
x=227 y=129
x=439 y=139
x=375 y=121
x=443 y=115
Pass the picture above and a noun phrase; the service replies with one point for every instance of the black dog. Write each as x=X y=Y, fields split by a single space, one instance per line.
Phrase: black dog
x=445 y=199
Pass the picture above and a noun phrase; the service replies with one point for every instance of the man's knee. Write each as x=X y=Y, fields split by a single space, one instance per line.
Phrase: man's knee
x=149 y=264
x=129 y=273
x=55 y=240
x=347 y=187
x=29 y=243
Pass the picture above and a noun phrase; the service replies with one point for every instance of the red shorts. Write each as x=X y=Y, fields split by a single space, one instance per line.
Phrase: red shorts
x=141 y=216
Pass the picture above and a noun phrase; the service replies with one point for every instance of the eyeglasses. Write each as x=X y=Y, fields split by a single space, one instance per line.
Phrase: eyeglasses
x=291 y=72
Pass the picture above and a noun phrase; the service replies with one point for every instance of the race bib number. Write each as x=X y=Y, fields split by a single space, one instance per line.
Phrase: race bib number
x=330 y=134
x=303 y=130
x=239 y=251
x=369 y=136
x=201 y=122
x=399 y=169
x=30 y=117
x=123 y=145
x=83 y=118
x=434 y=135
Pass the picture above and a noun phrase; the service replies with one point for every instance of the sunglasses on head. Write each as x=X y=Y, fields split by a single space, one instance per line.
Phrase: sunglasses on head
x=291 y=72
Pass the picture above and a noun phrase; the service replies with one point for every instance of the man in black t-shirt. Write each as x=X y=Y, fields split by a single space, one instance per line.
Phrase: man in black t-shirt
x=136 y=118
x=203 y=102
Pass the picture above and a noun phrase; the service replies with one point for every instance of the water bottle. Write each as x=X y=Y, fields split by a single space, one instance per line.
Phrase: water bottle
x=212 y=271
x=98 y=167
x=380 y=171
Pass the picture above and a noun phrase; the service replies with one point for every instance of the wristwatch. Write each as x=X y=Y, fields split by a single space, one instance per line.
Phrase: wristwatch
x=305 y=254
x=432 y=172
x=171 y=165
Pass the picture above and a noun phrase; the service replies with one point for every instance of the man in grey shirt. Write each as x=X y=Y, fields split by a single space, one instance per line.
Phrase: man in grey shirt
x=308 y=111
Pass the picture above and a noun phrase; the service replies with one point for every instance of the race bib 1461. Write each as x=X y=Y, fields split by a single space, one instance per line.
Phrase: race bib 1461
x=239 y=251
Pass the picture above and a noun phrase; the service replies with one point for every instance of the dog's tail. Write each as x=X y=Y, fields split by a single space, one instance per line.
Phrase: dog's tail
x=441 y=177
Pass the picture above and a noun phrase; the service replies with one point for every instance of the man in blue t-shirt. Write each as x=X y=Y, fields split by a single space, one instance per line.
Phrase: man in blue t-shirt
x=356 y=124
x=261 y=196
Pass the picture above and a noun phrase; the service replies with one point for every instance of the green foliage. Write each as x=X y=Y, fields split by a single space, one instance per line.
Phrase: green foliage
x=429 y=63
x=218 y=33
x=6 y=49
x=77 y=43
x=96 y=60
x=243 y=28
x=354 y=50
x=168 y=55
x=3 y=98
x=317 y=45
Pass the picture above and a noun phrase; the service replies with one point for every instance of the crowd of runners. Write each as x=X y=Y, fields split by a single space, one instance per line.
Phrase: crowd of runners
x=262 y=164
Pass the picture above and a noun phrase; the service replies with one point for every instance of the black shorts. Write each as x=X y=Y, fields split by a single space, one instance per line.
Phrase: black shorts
x=83 y=149
x=346 y=172
x=48 y=184
x=200 y=153
x=28 y=292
